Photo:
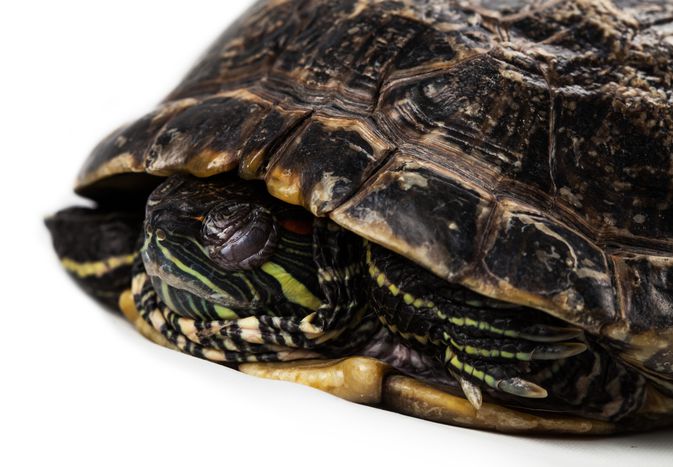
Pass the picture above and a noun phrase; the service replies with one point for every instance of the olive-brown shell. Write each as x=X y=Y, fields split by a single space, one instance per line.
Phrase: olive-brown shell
x=523 y=149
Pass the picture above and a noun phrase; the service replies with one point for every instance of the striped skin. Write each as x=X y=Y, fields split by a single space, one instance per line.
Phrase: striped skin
x=102 y=267
x=285 y=286
x=508 y=351
x=97 y=248
x=334 y=329
x=305 y=301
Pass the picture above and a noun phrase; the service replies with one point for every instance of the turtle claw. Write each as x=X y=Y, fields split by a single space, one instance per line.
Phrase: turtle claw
x=471 y=373
x=546 y=333
x=472 y=392
x=557 y=352
x=522 y=388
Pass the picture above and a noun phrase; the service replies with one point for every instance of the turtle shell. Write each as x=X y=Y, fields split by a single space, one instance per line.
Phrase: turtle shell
x=522 y=149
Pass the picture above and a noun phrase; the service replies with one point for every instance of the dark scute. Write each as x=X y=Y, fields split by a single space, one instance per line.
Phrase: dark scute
x=550 y=260
x=427 y=46
x=340 y=56
x=648 y=12
x=425 y=212
x=487 y=110
x=574 y=26
x=219 y=133
x=215 y=125
x=330 y=163
x=547 y=271
x=647 y=283
x=271 y=132
x=315 y=21
x=503 y=7
x=611 y=152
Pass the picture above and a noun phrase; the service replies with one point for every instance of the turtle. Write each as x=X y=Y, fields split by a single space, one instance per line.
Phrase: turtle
x=459 y=210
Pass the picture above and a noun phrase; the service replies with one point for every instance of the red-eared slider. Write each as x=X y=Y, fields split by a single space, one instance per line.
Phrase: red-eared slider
x=460 y=210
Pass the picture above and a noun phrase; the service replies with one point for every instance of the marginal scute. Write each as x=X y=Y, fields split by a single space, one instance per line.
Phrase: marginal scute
x=646 y=282
x=555 y=268
x=123 y=151
x=419 y=209
x=271 y=132
x=211 y=137
x=325 y=162
x=646 y=285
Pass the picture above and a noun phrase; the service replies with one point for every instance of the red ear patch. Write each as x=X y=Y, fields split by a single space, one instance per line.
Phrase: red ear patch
x=298 y=226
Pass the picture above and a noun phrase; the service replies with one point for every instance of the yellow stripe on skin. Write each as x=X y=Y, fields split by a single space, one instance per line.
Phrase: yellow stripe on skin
x=294 y=291
x=407 y=335
x=97 y=268
x=224 y=312
x=186 y=269
x=382 y=281
x=488 y=353
x=168 y=300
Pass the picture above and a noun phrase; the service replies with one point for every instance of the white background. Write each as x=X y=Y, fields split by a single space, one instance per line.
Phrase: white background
x=78 y=386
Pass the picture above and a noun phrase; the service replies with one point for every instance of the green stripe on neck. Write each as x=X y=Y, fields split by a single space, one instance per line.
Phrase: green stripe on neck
x=294 y=291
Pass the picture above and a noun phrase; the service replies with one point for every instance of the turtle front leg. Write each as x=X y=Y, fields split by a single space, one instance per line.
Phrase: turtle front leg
x=97 y=248
x=482 y=343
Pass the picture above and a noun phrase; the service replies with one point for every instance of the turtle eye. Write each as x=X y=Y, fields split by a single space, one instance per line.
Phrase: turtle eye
x=239 y=235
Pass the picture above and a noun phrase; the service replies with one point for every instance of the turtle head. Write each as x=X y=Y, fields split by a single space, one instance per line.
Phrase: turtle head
x=210 y=246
